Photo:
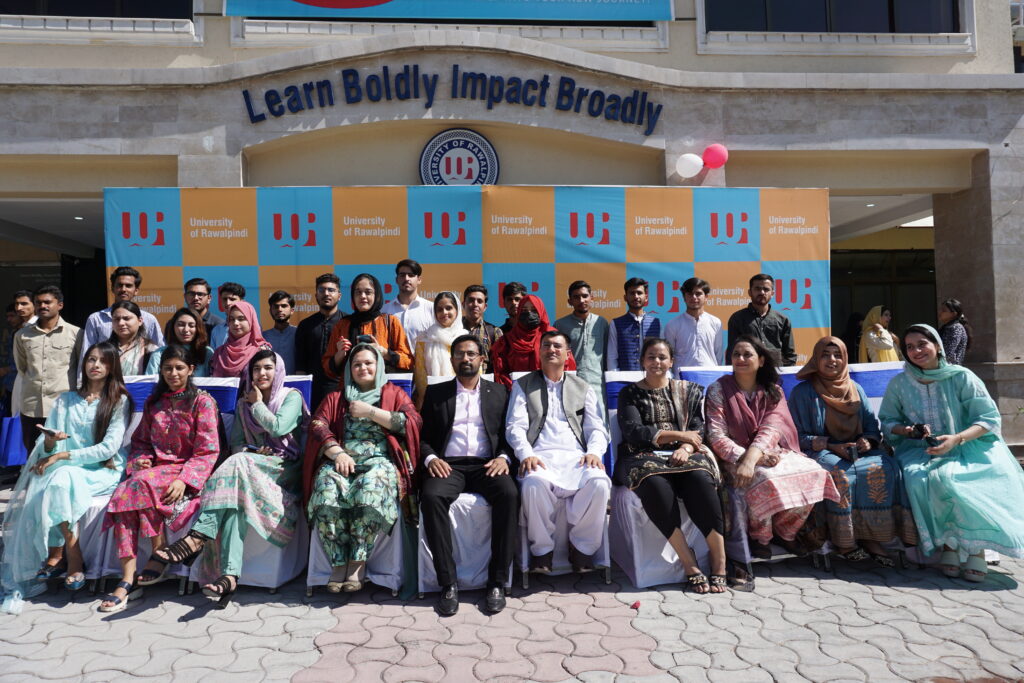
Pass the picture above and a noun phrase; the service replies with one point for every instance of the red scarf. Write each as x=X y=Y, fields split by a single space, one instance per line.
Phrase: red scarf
x=232 y=358
x=519 y=350
x=745 y=419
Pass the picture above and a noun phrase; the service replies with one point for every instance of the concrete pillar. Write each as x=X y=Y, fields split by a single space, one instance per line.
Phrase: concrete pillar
x=209 y=170
x=979 y=249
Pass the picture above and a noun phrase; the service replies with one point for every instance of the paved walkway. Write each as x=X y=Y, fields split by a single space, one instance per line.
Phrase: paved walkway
x=800 y=624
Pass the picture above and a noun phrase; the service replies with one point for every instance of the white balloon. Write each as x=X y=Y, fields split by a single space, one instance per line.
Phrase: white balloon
x=689 y=165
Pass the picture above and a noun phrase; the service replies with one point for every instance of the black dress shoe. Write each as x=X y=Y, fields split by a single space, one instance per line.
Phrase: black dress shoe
x=495 y=600
x=448 y=605
x=581 y=564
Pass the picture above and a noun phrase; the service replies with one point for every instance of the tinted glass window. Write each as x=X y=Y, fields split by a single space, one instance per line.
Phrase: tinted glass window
x=798 y=15
x=142 y=9
x=736 y=15
x=863 y=16
x=925 y=16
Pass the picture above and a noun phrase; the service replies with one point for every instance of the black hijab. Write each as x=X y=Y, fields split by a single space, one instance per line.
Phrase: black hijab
x=359 y=319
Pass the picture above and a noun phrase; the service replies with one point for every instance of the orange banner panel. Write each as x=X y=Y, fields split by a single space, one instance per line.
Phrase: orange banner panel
x=162 y=291
x=804 y=339
x=518 y=224
x=218 y=226
x=453 y=277
x=299 y=281
x=605 y=280
x=659 y=224
x=730 y=281
x=370 y=225
x=794 y=225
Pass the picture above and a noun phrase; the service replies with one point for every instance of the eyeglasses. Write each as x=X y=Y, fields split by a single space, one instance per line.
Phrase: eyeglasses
x=468 y=355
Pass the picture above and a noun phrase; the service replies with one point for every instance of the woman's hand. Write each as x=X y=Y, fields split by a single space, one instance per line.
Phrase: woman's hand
x=877 y=328
x=254 y=395
x=341 y=350
x=174 y=492
x=44 y=463
x=947 y=442
x=863 y=445
x=768 y=460
x=361 y=410
x=344 y=464
x=50 y=440
x=842 y=449
x=693 y=439
x=143 y=463
x=744 y=474
x=680 y=455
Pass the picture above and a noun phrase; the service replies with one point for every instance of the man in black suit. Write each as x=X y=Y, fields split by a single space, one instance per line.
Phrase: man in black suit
x=464 y=449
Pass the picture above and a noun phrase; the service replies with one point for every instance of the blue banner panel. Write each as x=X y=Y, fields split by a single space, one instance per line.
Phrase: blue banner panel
x=542 y=10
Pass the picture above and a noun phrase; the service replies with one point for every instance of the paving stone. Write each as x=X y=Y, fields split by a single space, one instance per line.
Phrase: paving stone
x=518 y=669
x=689 y=674
x=548 y=667
x=606 y=662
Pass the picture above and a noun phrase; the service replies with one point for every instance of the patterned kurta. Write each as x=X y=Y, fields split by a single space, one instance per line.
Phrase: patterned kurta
x=180 y=437
x=873 y=504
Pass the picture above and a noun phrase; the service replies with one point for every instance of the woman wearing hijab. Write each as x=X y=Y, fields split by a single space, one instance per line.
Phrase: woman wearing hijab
x=519 y=349
x=259 y=487
x=244 y=339
x=434 y=346
x=837 y=428
x=362 y=451
x=877 y=343
x=751 y=431
x=366 y=320
x=964 y=485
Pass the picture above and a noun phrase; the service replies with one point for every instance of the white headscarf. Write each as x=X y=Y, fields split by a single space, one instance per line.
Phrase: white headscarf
x=437 y=340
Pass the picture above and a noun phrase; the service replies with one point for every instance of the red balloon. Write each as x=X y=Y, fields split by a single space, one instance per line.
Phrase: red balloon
x=715 y=156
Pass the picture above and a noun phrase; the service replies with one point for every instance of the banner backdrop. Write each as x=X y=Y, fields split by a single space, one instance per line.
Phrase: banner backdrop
x=544 y=10
x=545 y=237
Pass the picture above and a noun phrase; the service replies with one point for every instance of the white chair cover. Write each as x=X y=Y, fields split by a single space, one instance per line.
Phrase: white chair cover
x=383 y=569
x=113 y=563
x=92 y=540
x=267 y=566
x=560 y=562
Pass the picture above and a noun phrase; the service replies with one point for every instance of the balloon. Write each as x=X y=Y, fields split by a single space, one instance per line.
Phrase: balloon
x=689 y=165
x=715 y=156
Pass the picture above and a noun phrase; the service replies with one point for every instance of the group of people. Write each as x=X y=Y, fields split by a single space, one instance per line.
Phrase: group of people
x=364 y=456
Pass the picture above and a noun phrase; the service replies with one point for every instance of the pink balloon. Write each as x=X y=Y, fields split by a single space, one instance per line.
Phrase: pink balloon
x=715 y=156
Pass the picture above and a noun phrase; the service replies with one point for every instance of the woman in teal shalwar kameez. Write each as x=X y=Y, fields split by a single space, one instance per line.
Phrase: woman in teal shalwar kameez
x=966 y=492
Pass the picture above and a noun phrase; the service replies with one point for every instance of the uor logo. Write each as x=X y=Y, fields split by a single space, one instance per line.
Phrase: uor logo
x=138 y=232
x=789 y=294
x=459 y=156
x=733 y=233
x=666 y=297
x=442 y=233
x=343 y=4
x=292 y=238
x=590 y=228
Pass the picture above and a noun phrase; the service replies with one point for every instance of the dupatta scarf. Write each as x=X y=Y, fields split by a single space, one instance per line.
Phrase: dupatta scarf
x=232 y=358
x=745 y=418
x=288 y=446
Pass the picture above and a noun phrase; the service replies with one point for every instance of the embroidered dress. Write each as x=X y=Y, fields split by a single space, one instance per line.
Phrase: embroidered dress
x=180 y=438
x=255 y=491
x=873 y=504
x=135 y=358
x=970 y=498
x=779 y=499
x=40 y=504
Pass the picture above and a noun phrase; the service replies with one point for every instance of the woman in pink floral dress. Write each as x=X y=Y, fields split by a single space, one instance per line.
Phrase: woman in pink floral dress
x=751 y=431
x=172 y=453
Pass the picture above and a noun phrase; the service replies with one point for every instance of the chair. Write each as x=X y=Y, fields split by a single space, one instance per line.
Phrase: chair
x=264 y=564
x=560 y=562
x=112 y=564
x=93 y=542
x=384 y=567
x=470 y=515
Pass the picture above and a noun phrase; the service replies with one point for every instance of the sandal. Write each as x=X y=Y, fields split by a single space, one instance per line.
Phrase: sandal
x=697 y=583
x=75 y=582
x=761 y=551
x=740 y=578
x=131 y=593
x=718 y=581
x=855 y=555
x=222 y=589
x=151 y=577
x=975 y=569
x=49 y=571
x=883 y=561
x=181 y=552
x=950 y=564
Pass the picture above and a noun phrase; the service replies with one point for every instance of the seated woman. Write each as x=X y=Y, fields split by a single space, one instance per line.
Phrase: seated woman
x=187 y=329
x=77 y=458
x=965 y=487
x=434 y=347
x=833 y=418
x=519 y=349
x=259 y=487
x=752 y=433
x=662 y=458
x=128 y=336
x=877 y=343
x=244 y=339
x=173 y=451
x=362 y=450
x=366 y=320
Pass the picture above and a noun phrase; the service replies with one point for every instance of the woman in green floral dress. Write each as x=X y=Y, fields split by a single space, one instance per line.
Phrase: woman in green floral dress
x=362 y=451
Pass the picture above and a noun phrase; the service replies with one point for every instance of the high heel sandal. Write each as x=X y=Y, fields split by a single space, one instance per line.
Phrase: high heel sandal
x=227 y=584
x=697 y=583
x=75 y=582
x=49 y=571
x=949 y=562
x=131 y=593
x=719 y=581
x=180 y=552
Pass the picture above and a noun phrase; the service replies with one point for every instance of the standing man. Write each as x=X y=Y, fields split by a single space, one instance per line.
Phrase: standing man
x=414 y=312
x=125 y=283
x=282 y=335
x=464 y=450
x=197 y=298
x=557 y=432
x=696 y=336
x=312 y=334
x=46 y=354
x=511 y=294
x=626 y=334
x=588 y=338
x=25 y=307
x=474 y=305
x=25 y=310
x=769 y=327
x=228 y=293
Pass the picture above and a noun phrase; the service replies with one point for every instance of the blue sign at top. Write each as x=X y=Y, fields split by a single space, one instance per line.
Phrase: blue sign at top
x=540 y=10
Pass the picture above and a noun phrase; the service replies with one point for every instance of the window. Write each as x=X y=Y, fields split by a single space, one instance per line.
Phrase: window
x=833 y=16
x=136 y=9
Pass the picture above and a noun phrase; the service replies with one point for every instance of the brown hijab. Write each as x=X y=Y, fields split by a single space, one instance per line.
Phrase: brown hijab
x=840 y=395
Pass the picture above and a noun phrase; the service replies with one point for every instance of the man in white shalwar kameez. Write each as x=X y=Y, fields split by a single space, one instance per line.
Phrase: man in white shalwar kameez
x=555 y=427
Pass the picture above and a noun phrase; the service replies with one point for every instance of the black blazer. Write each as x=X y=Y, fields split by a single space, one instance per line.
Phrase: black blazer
x=439 y=412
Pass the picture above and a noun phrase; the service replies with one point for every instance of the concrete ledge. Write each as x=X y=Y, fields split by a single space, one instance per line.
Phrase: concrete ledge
x=439 y=40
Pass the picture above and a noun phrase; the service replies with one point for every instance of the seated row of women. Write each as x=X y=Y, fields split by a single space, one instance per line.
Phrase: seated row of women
x=815 y=469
